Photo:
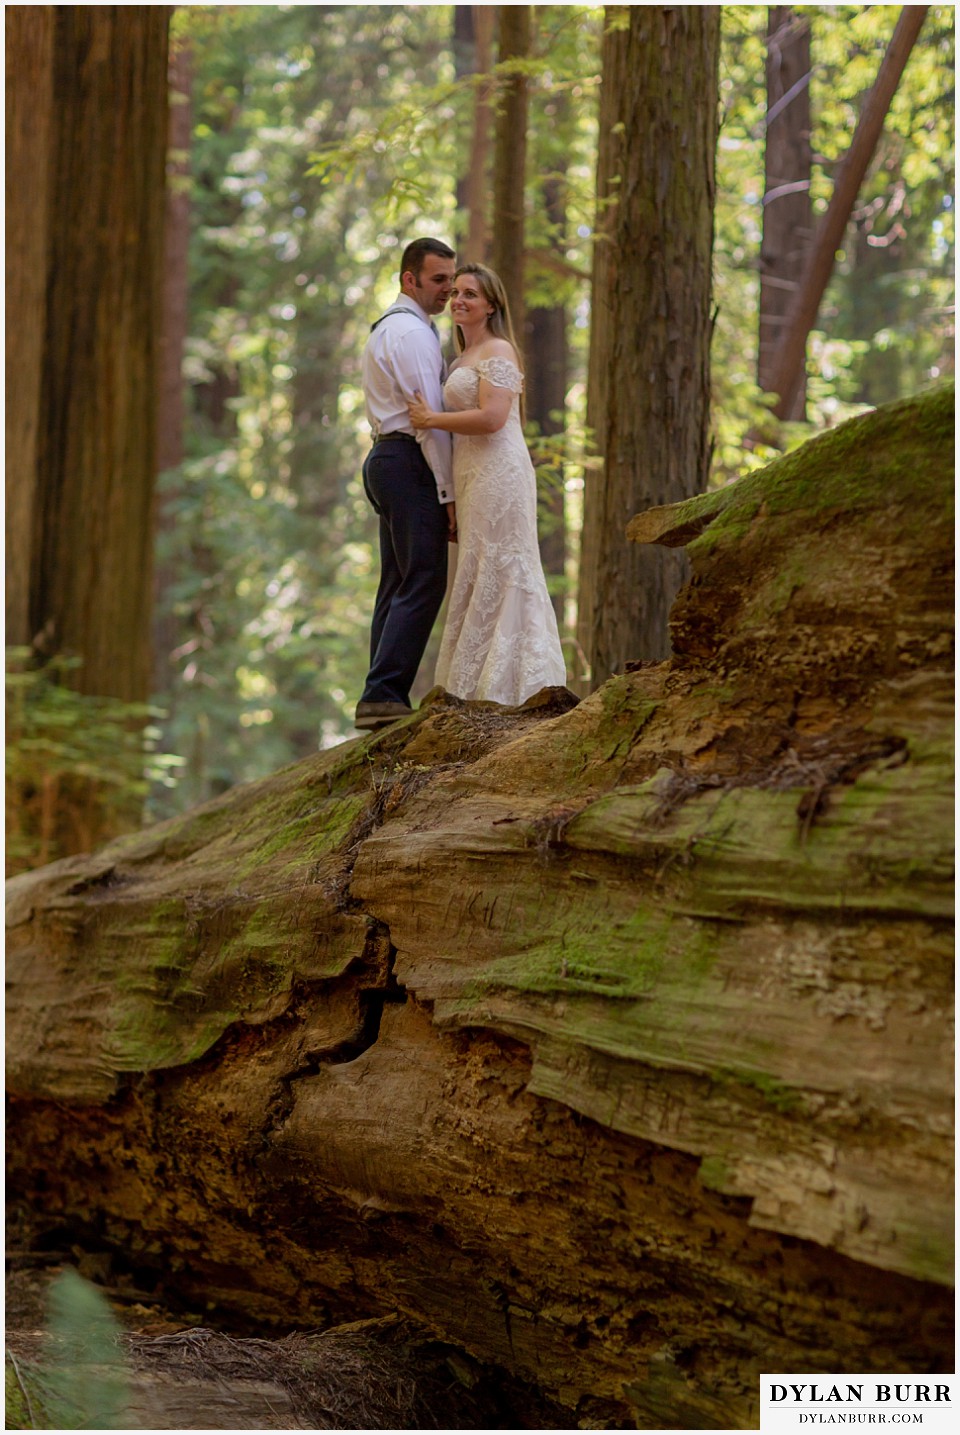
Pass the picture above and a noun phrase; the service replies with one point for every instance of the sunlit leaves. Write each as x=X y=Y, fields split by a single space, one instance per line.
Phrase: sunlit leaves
x=895 y=276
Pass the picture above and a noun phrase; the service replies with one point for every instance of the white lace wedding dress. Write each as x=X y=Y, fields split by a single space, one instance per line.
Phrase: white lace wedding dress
x=500 y=642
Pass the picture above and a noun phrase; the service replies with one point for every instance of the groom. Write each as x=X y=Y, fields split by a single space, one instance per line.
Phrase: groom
x=408 y=479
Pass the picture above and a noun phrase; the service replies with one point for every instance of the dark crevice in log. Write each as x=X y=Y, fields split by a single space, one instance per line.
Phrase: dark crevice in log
x=371 y=1002
x=106 y=882
x=371 y=975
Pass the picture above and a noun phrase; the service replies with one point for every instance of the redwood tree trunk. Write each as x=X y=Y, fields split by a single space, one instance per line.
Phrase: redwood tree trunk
x=510 y=162
x=787 y=212
x=649 y=380
x=30 y=118
x=91 y=569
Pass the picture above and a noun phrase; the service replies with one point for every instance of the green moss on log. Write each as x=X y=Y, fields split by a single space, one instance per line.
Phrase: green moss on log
x=713 y=900
x=895 y=456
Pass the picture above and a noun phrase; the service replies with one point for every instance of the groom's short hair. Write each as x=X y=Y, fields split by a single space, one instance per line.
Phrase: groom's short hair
x=417 y=251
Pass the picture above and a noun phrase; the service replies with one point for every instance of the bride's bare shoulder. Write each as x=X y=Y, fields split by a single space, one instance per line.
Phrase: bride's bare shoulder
x=500 y=349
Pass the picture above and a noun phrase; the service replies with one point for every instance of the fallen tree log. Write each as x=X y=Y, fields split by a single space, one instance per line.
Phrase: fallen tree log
x=611 y=1042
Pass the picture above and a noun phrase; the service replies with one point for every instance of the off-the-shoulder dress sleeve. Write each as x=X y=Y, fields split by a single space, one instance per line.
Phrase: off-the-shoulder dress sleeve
x=501 y=373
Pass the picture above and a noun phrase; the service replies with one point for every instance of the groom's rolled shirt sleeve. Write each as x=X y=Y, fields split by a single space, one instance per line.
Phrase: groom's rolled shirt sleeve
x=417 y=365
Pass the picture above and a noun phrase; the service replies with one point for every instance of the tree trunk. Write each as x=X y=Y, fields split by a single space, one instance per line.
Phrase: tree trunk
x=173 y=336
x=788 y=159
x=788 y=367
x=648 y=396
x=510 y=163
x=474 y=31
x=464 y=64
x=30 y=118
x=611 y=1042
x=176 y=255
x=546 y=396
x=547 y=377
x=91 y=570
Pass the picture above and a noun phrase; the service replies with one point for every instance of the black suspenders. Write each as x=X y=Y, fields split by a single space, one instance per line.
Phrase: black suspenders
x=397 y=309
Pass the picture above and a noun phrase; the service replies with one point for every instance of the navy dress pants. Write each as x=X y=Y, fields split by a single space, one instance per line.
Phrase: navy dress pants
x=413 y=565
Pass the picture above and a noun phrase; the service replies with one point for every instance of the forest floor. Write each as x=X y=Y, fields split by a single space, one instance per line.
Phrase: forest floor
x=191 y=1369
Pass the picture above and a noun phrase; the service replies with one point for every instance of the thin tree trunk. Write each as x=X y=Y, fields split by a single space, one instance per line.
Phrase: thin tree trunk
x=173 y=334
x=788 y=367
x=648 y=399
x=464 y=64
x=510 y=162
x=29 y=117
x=547 y=377
x=475 y=26
x=787 y=211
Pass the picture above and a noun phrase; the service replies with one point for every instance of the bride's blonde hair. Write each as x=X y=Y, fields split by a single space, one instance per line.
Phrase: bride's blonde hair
x=500 y=323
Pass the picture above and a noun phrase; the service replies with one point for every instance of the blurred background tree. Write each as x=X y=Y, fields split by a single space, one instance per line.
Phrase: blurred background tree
x=858 y=355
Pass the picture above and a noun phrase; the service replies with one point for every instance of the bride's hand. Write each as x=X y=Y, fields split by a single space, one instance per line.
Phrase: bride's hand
x=420 y=415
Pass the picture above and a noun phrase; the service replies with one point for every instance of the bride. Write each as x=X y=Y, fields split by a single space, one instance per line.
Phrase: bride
x=500 y=642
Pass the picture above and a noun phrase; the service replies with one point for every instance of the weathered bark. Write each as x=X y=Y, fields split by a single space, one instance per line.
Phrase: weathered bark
x=91 y=570
x=173 y=332
x=788 y=365
x=475 y=30
x=29 y=116
x=788 y=162
x=648 y=395
x=86 y=101
x=173 y=337
x=510 y=162
x=611 y=1042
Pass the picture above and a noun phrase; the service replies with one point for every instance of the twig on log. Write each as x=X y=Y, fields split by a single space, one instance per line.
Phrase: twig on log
x=23 y=1389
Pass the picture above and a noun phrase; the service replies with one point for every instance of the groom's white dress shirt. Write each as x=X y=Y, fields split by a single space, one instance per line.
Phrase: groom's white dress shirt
x=403 y=354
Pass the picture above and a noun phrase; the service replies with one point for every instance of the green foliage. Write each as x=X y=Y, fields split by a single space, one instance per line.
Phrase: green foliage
x=74 y=764
x=886 y=324
x=562 y=142
x=892 y=295
x=266 y=528
x=273 y=606
x=83 y=1383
